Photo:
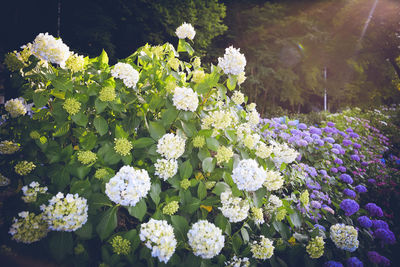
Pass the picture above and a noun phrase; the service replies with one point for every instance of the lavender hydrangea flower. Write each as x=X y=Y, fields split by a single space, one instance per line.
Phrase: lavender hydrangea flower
x=347 y=142
x=354 y=135
x=372 y=181
x=314 y=130
x=380 y=224
x=376 y=258
x=333 y=264
x=302 y=126
x=349 y=206
x=329 y=140
x=342 y=168
x=349 y=130
x=354 y=262
x=349 y=193
x=323 y=172
x=385 y=235
x=330 y=124
x=338 y=161
x=360 y=188
x=334 y=170
x=364 y=163
x=337 y=146
x=320 y=227
x=364 y=221
x=374 y=210
x=357 y=145
x=315 y=204
x=355 y=157
x=346 y=178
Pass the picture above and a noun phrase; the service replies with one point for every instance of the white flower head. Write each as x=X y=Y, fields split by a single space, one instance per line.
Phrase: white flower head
x=234 y=208
x=166 y=168
x=274 y=181
x=263 y=249
x=171 y=146
x=205 y=239
x=128 y=186
x=248 y=175
x=186 y=30
x=16 y=107
x=185 y=99
x=233 y=61
x=158 y=236
x=126 y=73
x=50 y=49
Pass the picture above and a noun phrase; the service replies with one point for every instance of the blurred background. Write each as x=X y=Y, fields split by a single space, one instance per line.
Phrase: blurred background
x=297 y=51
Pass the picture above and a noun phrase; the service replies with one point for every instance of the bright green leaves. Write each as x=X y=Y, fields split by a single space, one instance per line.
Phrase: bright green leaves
x=156 y=130
x=185 y=170
x=183 y=46
x=208 y=164
x=139 y=210
x=101 y=125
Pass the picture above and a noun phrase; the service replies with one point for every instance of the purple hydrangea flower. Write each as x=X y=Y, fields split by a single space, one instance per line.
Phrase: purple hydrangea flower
x=319 y=142
x=355 y=157
x=328 y=209
x=334 y=170
x=313 y=185
x=295 y=132
x=302 y=126
x=284 y=135
x=320 y=227
x=342 y=168
x=335 y=151
x=354 y=135
x=374 y=210
x=343 y=134
x=346 y=178
x=329 y=140
x=315 y=204
x=328 y=129
x=338 y=161
x=333 y=264
x=364 y=221
x=349 y=206
x=342 y=151
x=302 y=142
x=292 y=123
x=314 y=130
x=385 y=235
x=337 y=146
x=330 y=124
x=349 y=130
x=357 y=145
x=323 y=172
x=364 y=163
x=376 y=258
x=349 y=193
x=308 y=139
x=354 y=262
x=372 y=181
x=315 y=136
x=347 y=142
x=380 y=224
x=360 y=188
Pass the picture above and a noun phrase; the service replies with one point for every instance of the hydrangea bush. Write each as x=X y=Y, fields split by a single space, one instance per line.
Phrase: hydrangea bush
x=157 y=160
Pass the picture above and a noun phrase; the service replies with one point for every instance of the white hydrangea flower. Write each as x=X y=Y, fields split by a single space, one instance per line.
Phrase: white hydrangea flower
x=283 y=154
x=186 y=30
x=16 y=107
x=248 y=175
x=273 y=203
x=251 y=140
x=238 y=97
x=238 y=262
x=233 y=61
x=274 y=180
x=67 y=213
x=241 y=78
x=253 y=117
x=234 y=208
x=242 y=130
x=48 y=48
x=166 y=168
x=30 y=192
x=219 y=119
x=344 y=237
x=128 y=186
x=29 y=228
x=263 y=249
x=185 y=99
x=126 y=73
x=263 y=151
x=251 y=107
x=171 y=146
x=257 y=215
x=205 y=239
x=158 y=236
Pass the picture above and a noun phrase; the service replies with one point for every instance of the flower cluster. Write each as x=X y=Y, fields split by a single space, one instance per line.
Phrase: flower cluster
x=126 y=73
x=315 y=247
x=29 y=228
x=186 y=30
x=238 y=97
x=198 y=76
x=75 y=63
x=283 y=154
x=238 y=262
x=107 y=94
x=378 y=259
x=122 y=146
x=67 y=213
x=121 y=245
x=171 y=146
x=199 y=141
x=24 y=167
x=374 y=210
x=233 y=61
x=30 y=192
x=263 y=151
x=248 y=176
x=158 y=236
x=15 y=107
x=262 y=249
x=224 y=154
x=48 y=48
x=185 y=99
x=8 y=147
x=364 y=221
x=234 y=208
x=205 y=239
x=87 y=157
x=128 y=186
x=171 y=208
x=166 y=168
x=274 y=180
x=72 y=106
x=349 y=206
x=354 y=262
x=219 y=119
x=101 y=173
x=257 y=215
x=344 y=237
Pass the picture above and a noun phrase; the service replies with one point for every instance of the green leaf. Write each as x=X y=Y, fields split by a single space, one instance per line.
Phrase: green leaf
x=98 y=200
x=119 y=132
x=103 y=58
x=245 y=235
x=59 y=176
x=220 y=187
x=212 y=143
x=139 y=210
x=108 y=223
x=40 y=99
x=143 y=142
x=231 y=82
x=155 y=191
x=181 y=226
x=192 y=206
x=156 y=130
x=101 y=125
x=60 y=245
x=237 y=243
x=189 y=128
x=185 y=170
x=208 y=164
x=201 y=191
x=258 y=197
x=282 y=229
x=80 y=118
x=81 y=187
x=88 y=141
x=221 y=221
x=296 y=219
x=183 y=46
x=78 y=170
x=60 y=131
x=85 y=232
x=100 y=106
x=133 y=236
x=168 y=116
